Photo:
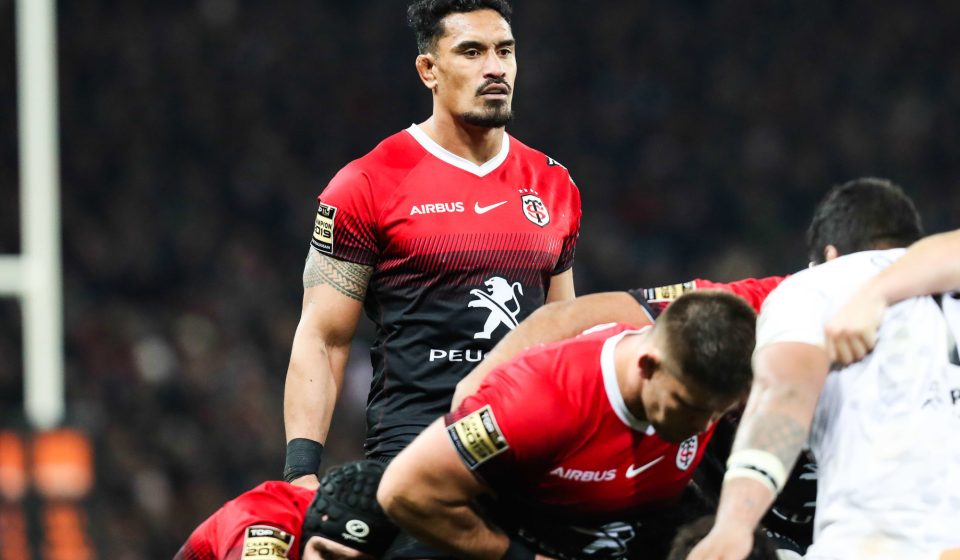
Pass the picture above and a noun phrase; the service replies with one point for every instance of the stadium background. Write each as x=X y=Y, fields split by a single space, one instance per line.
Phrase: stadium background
x=196 y=134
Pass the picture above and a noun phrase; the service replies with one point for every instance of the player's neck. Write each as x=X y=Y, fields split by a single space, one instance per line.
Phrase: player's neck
x=473 y=143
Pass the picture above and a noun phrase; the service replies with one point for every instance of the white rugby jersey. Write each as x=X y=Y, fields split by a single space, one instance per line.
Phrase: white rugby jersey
x=886 y=433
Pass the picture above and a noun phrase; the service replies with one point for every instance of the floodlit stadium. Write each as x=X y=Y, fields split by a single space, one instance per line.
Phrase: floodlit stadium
x=160 y=167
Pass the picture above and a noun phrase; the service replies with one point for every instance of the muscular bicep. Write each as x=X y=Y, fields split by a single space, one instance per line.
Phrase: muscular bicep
x=428 y=475
x=347 y=278
x=333 y=297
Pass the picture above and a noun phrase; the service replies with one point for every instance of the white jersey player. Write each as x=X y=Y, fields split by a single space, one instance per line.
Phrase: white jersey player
x=886 y=432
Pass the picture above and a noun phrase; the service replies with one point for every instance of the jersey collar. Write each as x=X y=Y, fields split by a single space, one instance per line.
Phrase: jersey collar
x=453 y=159
x=613 y=388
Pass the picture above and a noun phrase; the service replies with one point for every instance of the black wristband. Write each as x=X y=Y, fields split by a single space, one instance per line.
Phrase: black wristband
x=303 y=458
x=518 y=550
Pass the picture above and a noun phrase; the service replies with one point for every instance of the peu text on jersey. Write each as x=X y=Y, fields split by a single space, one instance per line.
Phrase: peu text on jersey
x=453 y=355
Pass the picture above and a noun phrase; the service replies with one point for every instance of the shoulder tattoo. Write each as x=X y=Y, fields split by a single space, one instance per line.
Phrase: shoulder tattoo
x=350 y=279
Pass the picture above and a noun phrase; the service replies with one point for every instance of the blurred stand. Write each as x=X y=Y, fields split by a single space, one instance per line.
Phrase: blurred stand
x=46 y=481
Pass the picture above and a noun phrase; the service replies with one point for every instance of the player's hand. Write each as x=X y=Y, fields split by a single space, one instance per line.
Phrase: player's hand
x=319 y=548
x=308 y=481
x=723 y=544
x=852 y=332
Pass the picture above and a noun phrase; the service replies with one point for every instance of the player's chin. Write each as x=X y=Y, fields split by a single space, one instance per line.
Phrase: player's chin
x=490 y=117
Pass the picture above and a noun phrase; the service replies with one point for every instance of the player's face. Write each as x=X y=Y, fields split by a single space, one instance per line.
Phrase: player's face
x=679 y=410
x=476 y=68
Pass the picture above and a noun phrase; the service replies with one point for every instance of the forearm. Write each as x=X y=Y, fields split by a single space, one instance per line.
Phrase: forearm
x=930 y=266
x=453 y=527
x=773 y=431
x=775 y=426
x=312 y=386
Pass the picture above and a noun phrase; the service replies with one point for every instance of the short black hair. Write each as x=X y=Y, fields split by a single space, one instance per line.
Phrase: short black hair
x=863 y=214
x=692 y=533
x=711 y=335
x=426 y=17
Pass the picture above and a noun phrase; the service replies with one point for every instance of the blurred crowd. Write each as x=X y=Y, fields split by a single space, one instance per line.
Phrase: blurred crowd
x=196 y=134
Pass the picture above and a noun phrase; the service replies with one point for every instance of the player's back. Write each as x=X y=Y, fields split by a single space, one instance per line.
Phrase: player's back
x=263 y=522
x=885 y=429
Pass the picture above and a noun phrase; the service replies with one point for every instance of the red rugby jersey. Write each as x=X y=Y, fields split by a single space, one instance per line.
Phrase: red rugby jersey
x=462 y=253
x=264 y=523
x=551 y=428
x=754 y=290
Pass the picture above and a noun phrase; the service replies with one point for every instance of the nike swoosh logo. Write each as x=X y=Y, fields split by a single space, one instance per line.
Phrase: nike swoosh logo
x=484 y=209
x=632 y=472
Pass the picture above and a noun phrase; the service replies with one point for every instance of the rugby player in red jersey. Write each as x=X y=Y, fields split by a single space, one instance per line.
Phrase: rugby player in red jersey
x=278 y=520
x=588 y=444
x=446 y=235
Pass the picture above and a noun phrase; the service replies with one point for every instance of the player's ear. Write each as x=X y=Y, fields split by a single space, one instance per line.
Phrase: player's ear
x=649 y=363
x=830 y=252
x=427 y=70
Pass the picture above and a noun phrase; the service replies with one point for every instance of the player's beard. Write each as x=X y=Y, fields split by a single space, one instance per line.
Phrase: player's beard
x=496 y=114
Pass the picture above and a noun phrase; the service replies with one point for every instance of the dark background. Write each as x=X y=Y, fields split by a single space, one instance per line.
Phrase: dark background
x=195 y=136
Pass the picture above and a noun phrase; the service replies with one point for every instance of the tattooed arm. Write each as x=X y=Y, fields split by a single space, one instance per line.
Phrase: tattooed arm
x=788 y=377
x=333 y=292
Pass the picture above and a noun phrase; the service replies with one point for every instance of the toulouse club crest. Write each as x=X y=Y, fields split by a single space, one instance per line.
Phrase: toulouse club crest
x=687 y=453
x=534 y=209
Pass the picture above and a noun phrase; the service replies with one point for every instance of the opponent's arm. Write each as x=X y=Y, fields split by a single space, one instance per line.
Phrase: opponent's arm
x=332 y=300
x=930 y=266
x=553 y=322
x=428 y=491
x=788 y=377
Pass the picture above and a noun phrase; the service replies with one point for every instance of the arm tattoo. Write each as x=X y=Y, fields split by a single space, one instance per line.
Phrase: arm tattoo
x=776 y=433
x=350 y=279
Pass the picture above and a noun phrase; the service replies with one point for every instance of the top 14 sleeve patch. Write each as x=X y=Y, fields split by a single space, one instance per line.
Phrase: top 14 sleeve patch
x=323 y=229
x=477 y=437
x=266 y=543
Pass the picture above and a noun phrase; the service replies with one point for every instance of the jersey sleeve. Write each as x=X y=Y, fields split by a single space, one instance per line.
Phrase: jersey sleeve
x=794 y=312
x=569 y=248
x=347 y=217
x=754 y=290
x=511 y=427
x=196 y=548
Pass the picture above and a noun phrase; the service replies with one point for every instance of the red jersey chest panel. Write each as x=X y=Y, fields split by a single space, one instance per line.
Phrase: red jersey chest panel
x=443 y=224
x=419 y=218
x=618 y=470
x=568 y=441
